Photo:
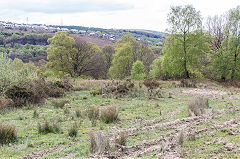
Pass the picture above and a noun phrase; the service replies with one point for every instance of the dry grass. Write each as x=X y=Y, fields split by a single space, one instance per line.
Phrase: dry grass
x=198 y=106
x=8 y=133
x=73 y=131
x=109 y=114
x=121 y=140
x=99 y=143
x=48 y=127
x=59 y=103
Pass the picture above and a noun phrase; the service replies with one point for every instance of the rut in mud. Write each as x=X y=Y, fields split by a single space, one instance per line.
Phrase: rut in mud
x=167 y=146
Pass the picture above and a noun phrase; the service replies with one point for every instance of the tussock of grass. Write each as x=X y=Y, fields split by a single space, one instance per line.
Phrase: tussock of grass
x=59 y=103
x=73 y=131
x=109 y=114
x=8 y=133
x=47 y=127
x=99 y=143
x=197 y=106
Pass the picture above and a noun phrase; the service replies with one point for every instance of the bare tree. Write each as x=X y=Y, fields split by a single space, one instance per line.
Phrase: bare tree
x=216 y=26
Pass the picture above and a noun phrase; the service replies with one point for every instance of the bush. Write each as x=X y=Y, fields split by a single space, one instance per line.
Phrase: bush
x=118 y=88
x=5 y=103
x=47 y=127
x=197 y=106
x=154 y=91
x=95 y=92
x=19 y=94
x=99 y=143
x=109 y=114
x=8 y=133
x=34 y=92
x=59 y=103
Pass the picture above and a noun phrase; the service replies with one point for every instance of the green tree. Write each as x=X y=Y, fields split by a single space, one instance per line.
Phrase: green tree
x=232 y=43
x=185 y=44
x=59 y=53
x=129 y=51
x=138 y=72
x=156 y=69
x=122 y=62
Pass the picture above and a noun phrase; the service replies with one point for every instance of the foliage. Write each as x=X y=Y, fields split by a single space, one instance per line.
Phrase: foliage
x=12 y=72
x=122 y=62
x=156 y=69
x=186 y=43
x=138 y=71
x=182 y=60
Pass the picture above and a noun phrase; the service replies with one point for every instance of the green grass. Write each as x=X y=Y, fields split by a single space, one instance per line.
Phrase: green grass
x=131 y=111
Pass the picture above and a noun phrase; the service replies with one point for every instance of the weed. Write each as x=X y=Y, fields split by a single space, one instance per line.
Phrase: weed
x=8 y=133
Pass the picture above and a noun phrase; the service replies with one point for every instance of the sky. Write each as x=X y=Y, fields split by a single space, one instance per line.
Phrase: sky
x=116 y=14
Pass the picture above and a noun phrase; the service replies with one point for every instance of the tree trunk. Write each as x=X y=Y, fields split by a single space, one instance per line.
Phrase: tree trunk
x=186 y=73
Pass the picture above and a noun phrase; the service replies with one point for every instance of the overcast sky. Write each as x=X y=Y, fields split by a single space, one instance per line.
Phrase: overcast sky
x=120 y=14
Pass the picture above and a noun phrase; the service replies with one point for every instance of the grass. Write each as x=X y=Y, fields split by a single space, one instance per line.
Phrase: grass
x=133 y=111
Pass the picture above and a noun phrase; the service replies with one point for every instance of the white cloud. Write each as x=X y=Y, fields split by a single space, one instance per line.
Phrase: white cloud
x=135 y=14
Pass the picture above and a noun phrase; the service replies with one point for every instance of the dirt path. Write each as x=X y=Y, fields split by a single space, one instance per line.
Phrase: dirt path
x=168 y=144
x=40 y=154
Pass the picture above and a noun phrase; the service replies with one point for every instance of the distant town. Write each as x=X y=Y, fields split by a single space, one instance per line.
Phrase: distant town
x=151 y=37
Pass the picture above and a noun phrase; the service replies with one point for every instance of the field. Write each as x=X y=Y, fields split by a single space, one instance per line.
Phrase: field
x=152 y=128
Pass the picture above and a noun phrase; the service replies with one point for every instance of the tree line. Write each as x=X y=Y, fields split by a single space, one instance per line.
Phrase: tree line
x=189 y=51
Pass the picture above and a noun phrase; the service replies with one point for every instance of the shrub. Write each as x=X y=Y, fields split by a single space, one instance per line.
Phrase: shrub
x=109 y=114
x=99 y=143
x=59 y=103
x=153 y=89
x=95 y=92
x=8 y=133
x=73 y=131
x=19 y=94
x=117 y=88
x=5 y=103
x=197 y=106
x=47 y=127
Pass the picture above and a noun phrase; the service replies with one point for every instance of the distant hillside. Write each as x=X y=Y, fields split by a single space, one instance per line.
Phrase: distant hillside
x=149 y=36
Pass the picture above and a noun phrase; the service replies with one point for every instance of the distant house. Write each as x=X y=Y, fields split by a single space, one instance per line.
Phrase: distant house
x=8 y=25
